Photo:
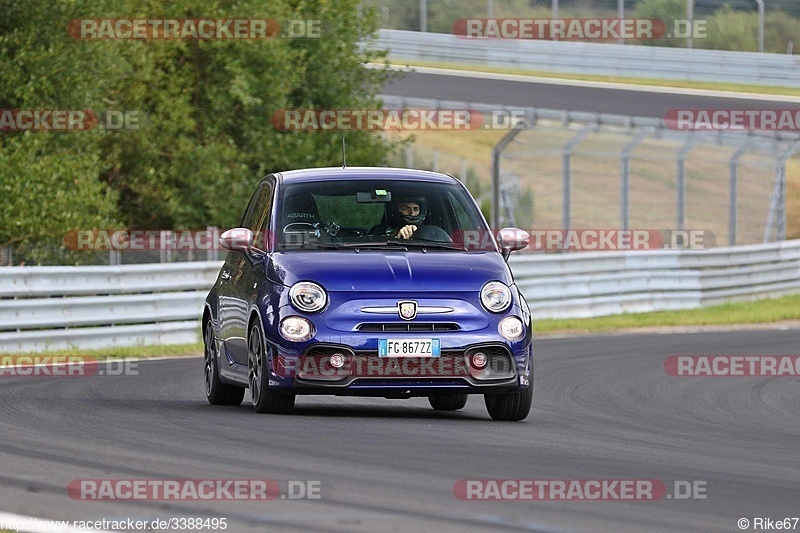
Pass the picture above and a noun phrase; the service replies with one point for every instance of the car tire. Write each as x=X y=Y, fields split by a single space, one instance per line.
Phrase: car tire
x=448 y=402
x=512 y=406
x=263 y=399
x=217 y=392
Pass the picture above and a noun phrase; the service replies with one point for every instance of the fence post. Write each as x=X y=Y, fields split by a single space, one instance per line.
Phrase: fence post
x=626 y=174
x=778 y=205
x=681 y=185
x=733 y=190
x=497 y=153
x=566 y=176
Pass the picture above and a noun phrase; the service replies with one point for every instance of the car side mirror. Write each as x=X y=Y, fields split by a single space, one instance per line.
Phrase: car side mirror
x=512 y=239
x=237 y=239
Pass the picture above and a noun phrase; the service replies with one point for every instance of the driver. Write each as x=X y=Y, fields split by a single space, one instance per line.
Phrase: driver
x=403 y=217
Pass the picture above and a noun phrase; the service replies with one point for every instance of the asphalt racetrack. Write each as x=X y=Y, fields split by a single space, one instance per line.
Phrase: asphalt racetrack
x=592 y=98
x=604 y=408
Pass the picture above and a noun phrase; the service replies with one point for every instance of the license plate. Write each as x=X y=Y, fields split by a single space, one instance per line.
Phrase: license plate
x=409 y=348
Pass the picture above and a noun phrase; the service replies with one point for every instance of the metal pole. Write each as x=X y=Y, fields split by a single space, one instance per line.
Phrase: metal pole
x=733 y=192
x=490 y=9
x=620 y=16
x=690 y=18
x=423 y=16
x=410 y=156
x=626 y=171
x=554 y=16
x=760 y=25
x=497 y=153
x=566 y=184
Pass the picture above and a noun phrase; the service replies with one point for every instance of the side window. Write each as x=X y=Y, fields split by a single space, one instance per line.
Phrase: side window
x=261 y=211
x=251 y=205
x=259 y=224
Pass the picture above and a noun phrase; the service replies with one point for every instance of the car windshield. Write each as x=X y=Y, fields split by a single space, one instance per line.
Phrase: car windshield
x=380 y=214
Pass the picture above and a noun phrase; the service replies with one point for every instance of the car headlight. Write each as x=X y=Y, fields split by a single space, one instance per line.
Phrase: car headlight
x=308 y=297
x=495 y=296
x=511 y=328
x=296 y=329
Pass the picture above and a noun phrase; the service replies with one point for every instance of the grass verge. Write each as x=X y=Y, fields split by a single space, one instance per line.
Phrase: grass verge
x=729 y=314
x=151 y=350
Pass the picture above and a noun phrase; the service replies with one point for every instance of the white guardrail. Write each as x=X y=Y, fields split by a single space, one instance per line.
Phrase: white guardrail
x=48 y=308
x=603 y=59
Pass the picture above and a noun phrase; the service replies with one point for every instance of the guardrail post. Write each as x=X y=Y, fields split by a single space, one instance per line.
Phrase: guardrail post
x=733 y=192
x=626 y=171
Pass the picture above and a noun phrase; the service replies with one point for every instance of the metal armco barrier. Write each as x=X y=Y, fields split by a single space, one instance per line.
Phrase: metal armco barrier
x=53 y=308
x=596 y=58
x=591 y=284
x=47 y=308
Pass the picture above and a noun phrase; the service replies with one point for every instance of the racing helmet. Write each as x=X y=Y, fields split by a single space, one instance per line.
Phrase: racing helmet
x=397 y=218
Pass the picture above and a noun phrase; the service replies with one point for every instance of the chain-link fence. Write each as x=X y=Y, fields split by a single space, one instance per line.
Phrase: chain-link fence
x=578 y=170
x=590 y=172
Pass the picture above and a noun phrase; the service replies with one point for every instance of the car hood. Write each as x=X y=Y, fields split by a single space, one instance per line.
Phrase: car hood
x=372 y=270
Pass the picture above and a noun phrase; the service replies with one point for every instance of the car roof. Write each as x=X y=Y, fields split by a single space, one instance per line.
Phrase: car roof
x=362 y=173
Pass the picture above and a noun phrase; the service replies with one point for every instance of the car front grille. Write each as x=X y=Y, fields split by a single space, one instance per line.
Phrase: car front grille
x=408 y=326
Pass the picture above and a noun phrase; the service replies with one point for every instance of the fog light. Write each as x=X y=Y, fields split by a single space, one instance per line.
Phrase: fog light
x=479 y=360
x=296 y=329
x=337 y=360
x=511 y=328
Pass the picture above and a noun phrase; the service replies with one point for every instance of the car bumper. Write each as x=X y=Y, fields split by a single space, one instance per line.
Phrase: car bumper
x=364 y=373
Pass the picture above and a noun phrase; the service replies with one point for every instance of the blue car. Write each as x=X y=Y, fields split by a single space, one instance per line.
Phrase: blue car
x=368 y=282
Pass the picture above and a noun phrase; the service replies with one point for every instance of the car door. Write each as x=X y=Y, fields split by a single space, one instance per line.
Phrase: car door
x=236 y=285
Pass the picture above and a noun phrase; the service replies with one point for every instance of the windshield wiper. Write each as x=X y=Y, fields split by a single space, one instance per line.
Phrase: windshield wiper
x=395 y=244
x=431 y=244
x=310 y=246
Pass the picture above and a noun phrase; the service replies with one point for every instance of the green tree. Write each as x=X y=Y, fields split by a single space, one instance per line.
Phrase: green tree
x=205 y=136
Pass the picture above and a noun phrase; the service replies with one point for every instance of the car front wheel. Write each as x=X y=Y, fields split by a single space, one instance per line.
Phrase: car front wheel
x=511 y=406
x=217 y=392
x=264 y=400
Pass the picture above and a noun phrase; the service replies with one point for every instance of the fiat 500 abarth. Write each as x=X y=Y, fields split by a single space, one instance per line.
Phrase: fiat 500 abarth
x=368 y=282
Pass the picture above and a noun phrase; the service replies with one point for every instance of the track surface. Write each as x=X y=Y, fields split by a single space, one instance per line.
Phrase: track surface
x=559 y=96
x=604 y=408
